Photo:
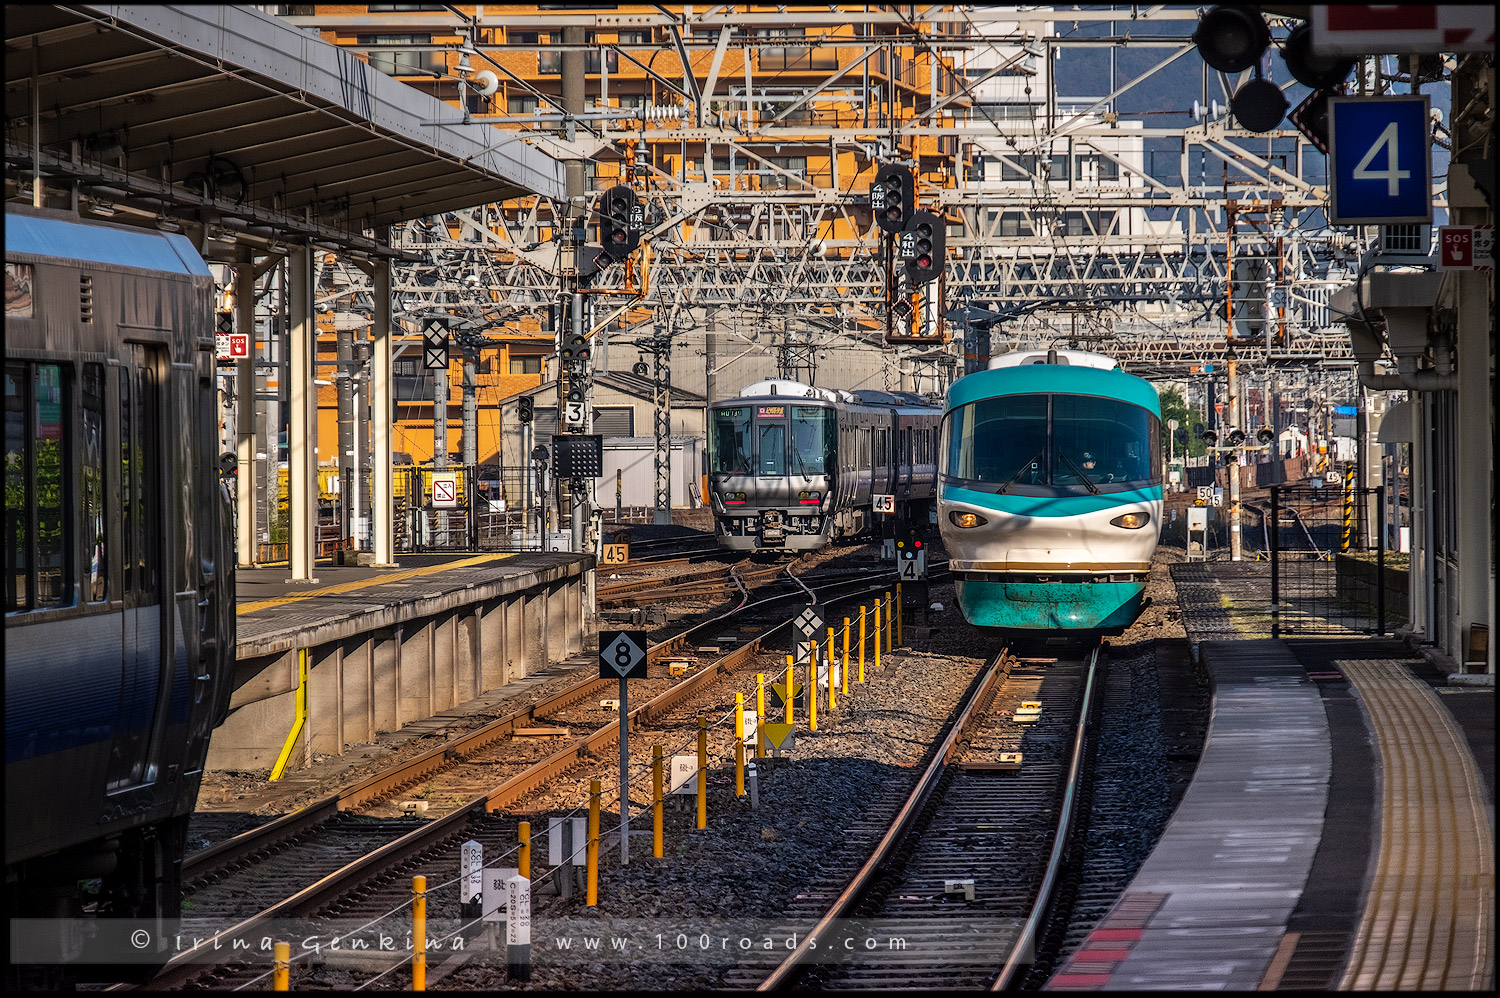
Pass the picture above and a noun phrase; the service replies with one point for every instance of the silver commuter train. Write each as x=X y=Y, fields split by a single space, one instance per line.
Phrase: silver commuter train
x=119 y=585
x=792 y=467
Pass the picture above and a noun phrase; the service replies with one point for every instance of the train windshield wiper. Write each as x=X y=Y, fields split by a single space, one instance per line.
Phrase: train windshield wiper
x=1021 y=471
x=1079 y=472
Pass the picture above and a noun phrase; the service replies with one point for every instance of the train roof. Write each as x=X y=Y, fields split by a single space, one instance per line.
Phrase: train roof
x=55 y=234
x=1063 y=358
x=1035 y=379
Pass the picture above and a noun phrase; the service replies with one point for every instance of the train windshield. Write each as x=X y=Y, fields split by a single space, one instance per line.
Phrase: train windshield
x=1103 y=441
x=730 y=445
x=814 y=436
x=1063 y=444
x=999 y=440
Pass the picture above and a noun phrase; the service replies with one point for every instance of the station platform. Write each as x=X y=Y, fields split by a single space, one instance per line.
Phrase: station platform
x=366 y=650
x=1339 y=831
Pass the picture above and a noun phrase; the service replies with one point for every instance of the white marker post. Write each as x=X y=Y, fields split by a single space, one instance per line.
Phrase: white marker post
x=471 y=880
x=518 y=929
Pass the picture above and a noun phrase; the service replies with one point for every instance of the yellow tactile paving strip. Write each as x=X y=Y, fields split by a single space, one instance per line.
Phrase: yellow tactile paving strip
x=349 y=587
x=1428 y=922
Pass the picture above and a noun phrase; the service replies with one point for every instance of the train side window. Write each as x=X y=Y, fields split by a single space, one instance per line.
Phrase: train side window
x=94 y=505
x=128 y=531
x=17 y=489
x=39 y=568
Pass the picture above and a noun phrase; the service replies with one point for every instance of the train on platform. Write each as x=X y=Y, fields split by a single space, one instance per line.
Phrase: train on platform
x=1050 y=492
x=119 y=586
x=793 y=467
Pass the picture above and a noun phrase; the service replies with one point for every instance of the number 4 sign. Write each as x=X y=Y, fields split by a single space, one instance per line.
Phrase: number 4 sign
x=1380 y=161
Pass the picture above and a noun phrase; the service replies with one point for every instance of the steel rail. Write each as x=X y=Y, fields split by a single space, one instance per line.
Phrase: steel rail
x=1022 y=954
x=183 y=966
x=996 y=672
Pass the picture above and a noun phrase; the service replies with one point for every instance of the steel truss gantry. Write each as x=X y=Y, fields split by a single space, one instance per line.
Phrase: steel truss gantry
x=1144 y=246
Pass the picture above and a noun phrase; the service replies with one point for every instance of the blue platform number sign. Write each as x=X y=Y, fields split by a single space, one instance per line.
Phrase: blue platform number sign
x=1380 y=161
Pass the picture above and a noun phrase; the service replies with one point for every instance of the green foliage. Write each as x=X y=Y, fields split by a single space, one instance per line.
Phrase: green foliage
x=1174 y=406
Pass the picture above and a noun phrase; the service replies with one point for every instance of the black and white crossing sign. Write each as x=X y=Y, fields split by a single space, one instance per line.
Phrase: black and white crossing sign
x=435 y=346
x=809 y=622
x=809 y=626
x=622 y=654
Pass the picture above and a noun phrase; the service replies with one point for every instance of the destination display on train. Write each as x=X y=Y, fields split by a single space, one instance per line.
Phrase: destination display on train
x=769 y=411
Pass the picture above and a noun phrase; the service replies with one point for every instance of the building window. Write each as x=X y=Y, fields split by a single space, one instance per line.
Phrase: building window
x=525 y=365
x=522 y=37
x=636 y=37
x=521 y=105
x=404 y=61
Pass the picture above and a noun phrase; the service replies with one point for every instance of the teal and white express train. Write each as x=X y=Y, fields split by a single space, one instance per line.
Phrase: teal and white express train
x=1049 y=492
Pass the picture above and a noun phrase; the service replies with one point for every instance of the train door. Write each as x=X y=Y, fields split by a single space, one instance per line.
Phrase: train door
x=774 y=487
x=142 y=491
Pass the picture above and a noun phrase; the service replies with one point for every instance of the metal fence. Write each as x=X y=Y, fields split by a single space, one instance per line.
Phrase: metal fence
x=1327 y=576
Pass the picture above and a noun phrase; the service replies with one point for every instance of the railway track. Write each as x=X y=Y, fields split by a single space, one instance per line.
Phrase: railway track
x=324 y=859
x=963 y=876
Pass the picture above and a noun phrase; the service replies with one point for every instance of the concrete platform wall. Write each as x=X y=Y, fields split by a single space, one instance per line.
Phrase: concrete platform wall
x=366 y=679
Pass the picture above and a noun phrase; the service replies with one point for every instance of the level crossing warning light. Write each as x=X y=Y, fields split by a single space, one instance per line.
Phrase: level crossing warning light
x=1265 y=435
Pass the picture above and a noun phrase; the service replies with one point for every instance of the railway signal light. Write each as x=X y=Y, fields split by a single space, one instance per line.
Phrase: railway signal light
x=922 y=247
x=621 y=219
x=1232 y=39
x=1313 y=69
x=229 y=465
x=526 y=409
x=893 y=197
x=575 y=347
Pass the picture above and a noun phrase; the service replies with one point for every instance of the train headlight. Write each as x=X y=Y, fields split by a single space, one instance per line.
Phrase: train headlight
x=1132 y=521
x=966 y=519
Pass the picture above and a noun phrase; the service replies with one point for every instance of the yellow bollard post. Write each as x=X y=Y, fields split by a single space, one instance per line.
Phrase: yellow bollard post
x=523 y=860
x=283 y=979
x=844 y=677
x=702 y=771
x=812 y=688
x=900 y=613
x=419 y=933
x=861 y=642
x=888 y=613
x=789 y=687
x=739 y=744
x=656 y=790
x=760 y=715
x=877 y=635
x=833 y=675
x=591 y=857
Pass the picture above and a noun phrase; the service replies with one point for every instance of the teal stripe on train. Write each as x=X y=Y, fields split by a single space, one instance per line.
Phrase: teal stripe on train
x=1049 y=378
x=1071 y=505
x=1050 y=606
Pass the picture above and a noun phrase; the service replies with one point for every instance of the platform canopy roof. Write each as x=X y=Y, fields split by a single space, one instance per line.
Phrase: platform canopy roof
x=223 y=112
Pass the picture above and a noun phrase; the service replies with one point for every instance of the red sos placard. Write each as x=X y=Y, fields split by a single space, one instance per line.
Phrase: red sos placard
x=1456 y=247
